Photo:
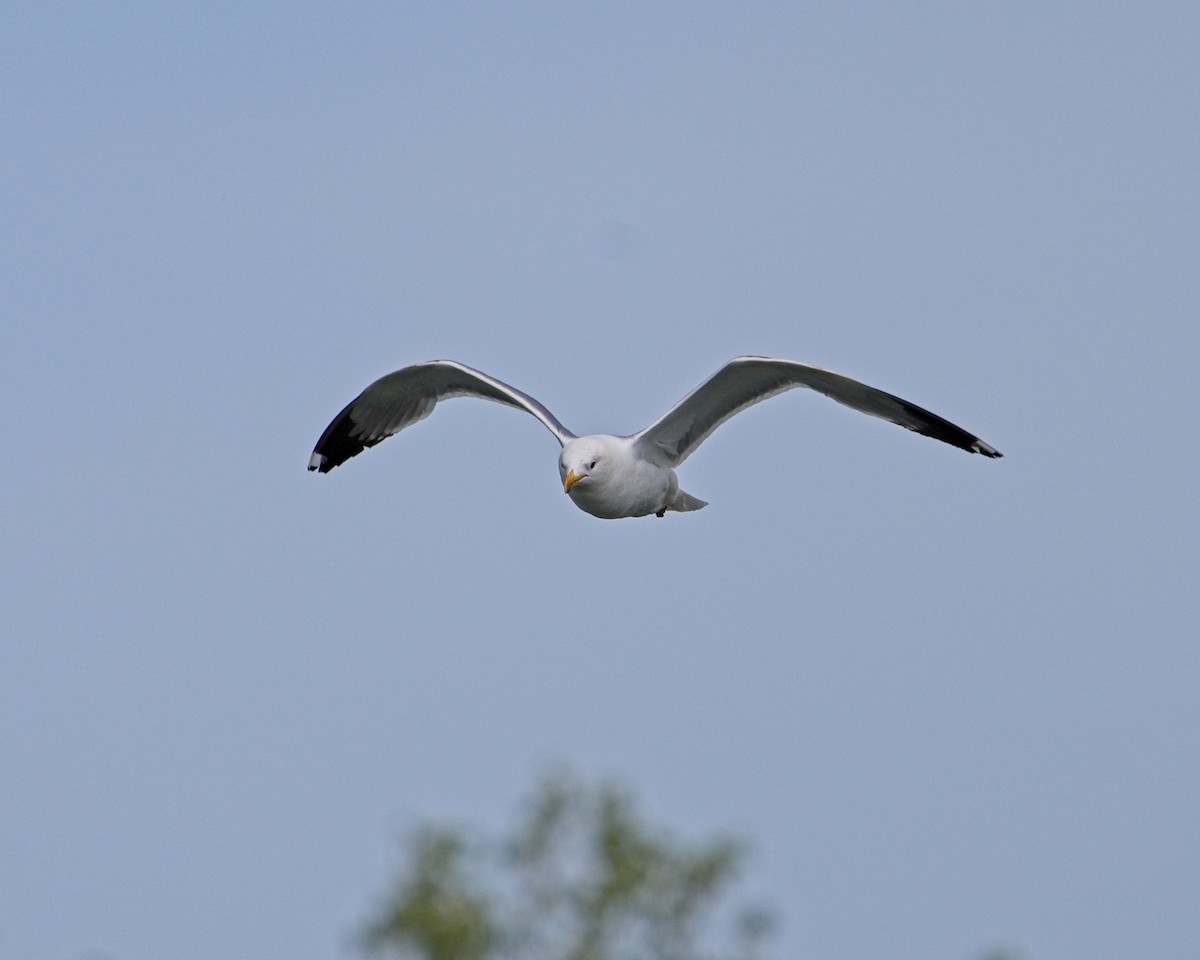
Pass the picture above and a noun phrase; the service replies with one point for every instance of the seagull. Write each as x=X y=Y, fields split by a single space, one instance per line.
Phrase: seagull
x=607 y=476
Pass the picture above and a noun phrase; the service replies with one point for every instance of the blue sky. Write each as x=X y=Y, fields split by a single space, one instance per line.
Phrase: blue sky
x=949 y=701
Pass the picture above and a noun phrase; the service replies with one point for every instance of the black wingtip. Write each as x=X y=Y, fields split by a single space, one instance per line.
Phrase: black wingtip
x=931 y=425
x=338 y=444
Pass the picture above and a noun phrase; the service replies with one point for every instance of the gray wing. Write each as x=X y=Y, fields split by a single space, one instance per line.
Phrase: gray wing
x=402 y=398
x=747 y=380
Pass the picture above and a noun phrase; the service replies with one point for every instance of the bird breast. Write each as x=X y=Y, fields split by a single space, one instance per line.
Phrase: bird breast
x=629 y=488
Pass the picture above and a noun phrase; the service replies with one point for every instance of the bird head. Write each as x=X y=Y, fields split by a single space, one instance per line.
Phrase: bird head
x=583 y=463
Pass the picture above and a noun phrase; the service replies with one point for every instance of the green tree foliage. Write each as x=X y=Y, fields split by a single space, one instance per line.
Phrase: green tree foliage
x=581 y=877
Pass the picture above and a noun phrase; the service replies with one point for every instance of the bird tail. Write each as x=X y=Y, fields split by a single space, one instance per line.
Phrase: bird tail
x=685 y=503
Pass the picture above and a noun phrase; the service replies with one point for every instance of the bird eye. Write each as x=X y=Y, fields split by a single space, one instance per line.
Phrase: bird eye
x=592 y=465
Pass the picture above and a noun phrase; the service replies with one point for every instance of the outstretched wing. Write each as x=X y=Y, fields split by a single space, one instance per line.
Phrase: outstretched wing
x=747 y=380
x=402 y=398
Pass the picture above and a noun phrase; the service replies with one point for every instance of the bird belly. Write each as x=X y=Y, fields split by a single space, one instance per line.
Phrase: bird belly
x=638 y=495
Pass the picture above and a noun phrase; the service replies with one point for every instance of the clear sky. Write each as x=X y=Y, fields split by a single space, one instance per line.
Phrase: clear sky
x=950 y=701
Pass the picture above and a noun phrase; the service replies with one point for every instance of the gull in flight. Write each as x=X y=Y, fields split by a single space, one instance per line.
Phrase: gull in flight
x=612 y=477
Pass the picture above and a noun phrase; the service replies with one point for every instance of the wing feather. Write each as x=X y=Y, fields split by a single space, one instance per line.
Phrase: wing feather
x=745 y=381
x=402 y=398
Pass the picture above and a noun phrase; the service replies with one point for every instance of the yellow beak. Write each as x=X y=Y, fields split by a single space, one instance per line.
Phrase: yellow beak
x=571 y=480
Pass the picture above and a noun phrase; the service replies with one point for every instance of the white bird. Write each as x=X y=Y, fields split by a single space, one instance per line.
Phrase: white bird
x=607 y=476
